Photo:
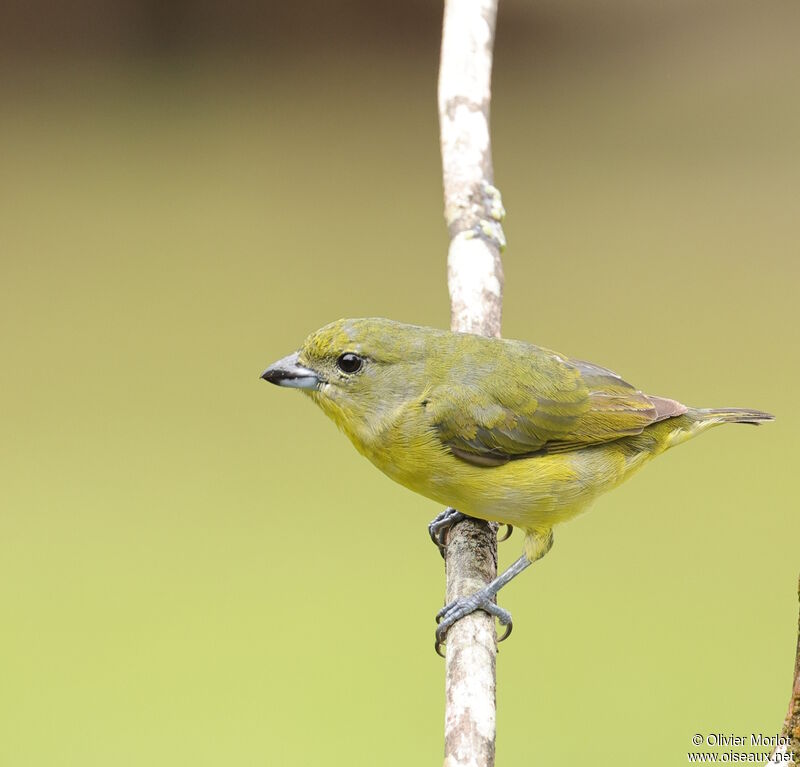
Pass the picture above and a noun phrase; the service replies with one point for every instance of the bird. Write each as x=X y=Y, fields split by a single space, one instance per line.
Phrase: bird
x=492 y=428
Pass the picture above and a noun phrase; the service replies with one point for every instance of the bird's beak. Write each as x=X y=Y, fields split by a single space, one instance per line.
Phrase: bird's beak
x=289 y=372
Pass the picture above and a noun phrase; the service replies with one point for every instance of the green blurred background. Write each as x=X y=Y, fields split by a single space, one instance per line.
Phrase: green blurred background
x=196 y=568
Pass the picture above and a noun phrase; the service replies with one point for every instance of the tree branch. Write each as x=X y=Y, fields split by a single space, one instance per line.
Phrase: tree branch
x=791 y=724
x=473 y=211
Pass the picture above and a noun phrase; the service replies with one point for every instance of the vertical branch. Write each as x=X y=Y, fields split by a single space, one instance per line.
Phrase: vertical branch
x=472 y=206
x=791 y=724
x=473 y=212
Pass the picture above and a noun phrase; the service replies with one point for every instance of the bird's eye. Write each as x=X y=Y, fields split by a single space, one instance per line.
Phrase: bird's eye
x=349 y=362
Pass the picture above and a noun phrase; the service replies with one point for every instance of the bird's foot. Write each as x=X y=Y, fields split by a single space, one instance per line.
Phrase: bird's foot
x=458 y=608
x=438 y=527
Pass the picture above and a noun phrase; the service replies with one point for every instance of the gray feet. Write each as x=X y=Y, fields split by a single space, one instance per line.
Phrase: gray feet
x=439 y=526
x=456 y=610
x=483 y=600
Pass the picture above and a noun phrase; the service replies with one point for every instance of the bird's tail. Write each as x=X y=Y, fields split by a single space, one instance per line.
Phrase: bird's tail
x=674 y=431
x=731 y=415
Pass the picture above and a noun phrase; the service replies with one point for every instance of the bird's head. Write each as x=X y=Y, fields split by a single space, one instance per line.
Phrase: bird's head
x=359 y=371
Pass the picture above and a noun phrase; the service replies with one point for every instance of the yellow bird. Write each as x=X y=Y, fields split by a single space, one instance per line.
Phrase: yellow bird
x=499 y=429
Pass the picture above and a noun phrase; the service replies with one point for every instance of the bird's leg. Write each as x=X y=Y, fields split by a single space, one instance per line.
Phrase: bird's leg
x=438 y=527
x=480 y=600
x=537 y=545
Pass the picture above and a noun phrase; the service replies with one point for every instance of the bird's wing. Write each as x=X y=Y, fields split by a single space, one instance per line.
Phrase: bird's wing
x=535 y=401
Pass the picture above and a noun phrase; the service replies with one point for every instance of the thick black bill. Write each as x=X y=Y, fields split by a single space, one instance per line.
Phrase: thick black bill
x=289 y=372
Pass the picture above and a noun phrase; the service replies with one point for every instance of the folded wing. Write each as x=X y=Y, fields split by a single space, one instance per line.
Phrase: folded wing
x=535 y=401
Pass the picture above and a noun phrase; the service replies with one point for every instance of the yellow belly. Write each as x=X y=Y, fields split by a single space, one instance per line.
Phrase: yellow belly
x=531 y=493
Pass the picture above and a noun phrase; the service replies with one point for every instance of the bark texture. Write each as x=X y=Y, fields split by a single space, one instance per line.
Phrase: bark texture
x=791 y=724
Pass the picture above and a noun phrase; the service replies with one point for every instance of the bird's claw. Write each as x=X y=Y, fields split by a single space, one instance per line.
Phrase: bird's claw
x=462 y=606
x=509 y=530
x=439 y=526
